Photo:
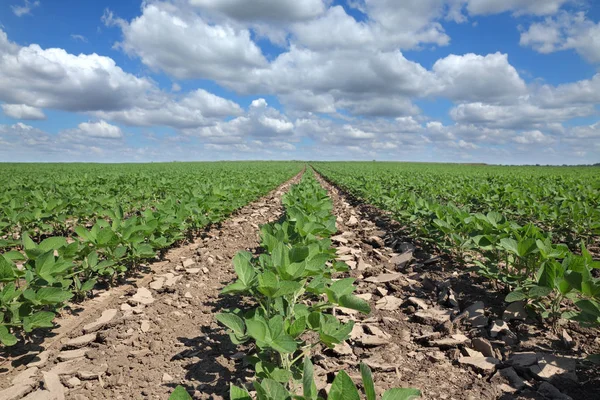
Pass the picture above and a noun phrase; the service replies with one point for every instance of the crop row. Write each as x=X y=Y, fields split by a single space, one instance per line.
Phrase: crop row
x=291 y=289
x=520 y=251
x=37 y=277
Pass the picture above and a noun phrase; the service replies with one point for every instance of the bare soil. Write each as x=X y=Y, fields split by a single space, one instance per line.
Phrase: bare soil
x=163 y=332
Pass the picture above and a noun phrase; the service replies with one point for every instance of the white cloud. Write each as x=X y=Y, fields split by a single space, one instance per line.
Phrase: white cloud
x=533 y=137
x=23 y=111
x=184 y=45
x=264 y=10
x=99 y=129
x=473 y=78
x=53 y=78
x=194 y=109
x=563 y=32
x=80 y=38
x=25 y=9
x=517 y=7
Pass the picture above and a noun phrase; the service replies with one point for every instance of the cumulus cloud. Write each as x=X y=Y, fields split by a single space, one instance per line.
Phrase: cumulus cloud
x=472 y=78
x=185 y=45
x=98 y=129
x=533 y=137
x=563 y=32
x=53 y=78
x=517 y=7
x=264 y=10
x=194 y=109
x=23 y=111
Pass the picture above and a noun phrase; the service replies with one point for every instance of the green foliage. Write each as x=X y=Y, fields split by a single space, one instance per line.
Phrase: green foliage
x=292 y=287
x=520 y=227
x=68 y=227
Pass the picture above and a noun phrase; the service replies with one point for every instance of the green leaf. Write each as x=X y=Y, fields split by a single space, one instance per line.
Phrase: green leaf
x=309 y=388
x=236 y=393
x=257 y=328
x=539 y=291
x=354 y=303
x=28 y=244
x=233 y=322
x=52 y=243
x=297 y=328
x=42 y=319
x=269 y=389
x=180 y=394
x=7 y=273
x=367 y=379
x=298 y=254
x=401 y=394
x=510 y=245
x=53 y=295
x=343 y=388
x=7 y=338
x=517 y=295
x=235 y=287
x=243 y=268
x=88 y=285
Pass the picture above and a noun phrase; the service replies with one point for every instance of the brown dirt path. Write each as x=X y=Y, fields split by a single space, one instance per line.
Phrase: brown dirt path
x=158 y=332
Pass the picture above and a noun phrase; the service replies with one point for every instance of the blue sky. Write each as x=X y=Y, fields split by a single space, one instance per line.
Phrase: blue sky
x=512 y=82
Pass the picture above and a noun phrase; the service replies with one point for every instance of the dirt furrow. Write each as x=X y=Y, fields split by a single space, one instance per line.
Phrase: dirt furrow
x=142 y=340
x=442 y=329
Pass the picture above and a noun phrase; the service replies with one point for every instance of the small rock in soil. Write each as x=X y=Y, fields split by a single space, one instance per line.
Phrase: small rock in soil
x=511 y=376
x=476 y=315
x=39 y=360
x=72 y=354
x=433 y=316
x=339 y=239
x=418 y=302
x=381 y=291
x=552 y=393
x=80 y=341
x=187 y=263
x=343 y=349
x=483 y=346
x=158 y=283
x=376 y=241
x=400 y=260
x=484 y=364
x=73 y=382
x=524 y=359
x=566 y=339
x=498 y=327
x=106 y=317
x=453 y=341
x=467 y=352
x=52 y=383
x=352 y=221
x=145 y=326
x=515 y=311
x=384 y=278
x=550 y=367
x=365 y=296
x=143 y=296
x=193 y=271
x=40 y=395
x=389 y=303
x=166 y=377
x=25 y=377
x=16 y=392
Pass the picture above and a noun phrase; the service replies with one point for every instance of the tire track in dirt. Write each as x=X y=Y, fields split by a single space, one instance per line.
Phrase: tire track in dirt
x=419 y=333
x=144 y=339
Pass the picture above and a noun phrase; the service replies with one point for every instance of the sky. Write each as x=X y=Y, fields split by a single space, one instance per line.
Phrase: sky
x=501 y=82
